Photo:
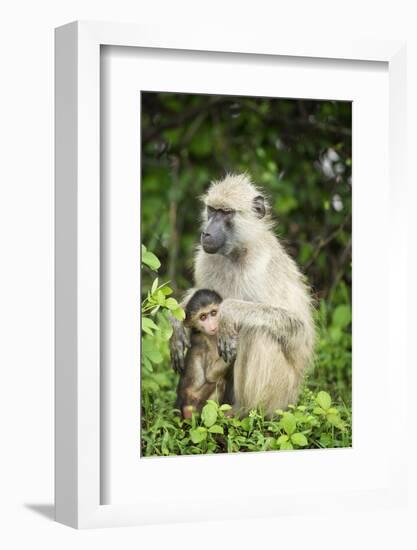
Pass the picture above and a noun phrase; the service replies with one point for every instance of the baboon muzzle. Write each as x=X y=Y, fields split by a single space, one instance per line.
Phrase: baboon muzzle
x=212 y=238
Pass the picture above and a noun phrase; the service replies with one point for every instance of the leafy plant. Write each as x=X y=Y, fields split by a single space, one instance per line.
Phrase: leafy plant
x=318 y=420
x=155 y=308
x=314 y=423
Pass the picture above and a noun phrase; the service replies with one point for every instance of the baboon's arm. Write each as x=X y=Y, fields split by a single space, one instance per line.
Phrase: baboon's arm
x=238 y=314
x=178 y=344
x=180 y=339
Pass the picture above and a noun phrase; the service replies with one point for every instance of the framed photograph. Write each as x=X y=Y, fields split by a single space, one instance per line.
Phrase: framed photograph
x=222 y=205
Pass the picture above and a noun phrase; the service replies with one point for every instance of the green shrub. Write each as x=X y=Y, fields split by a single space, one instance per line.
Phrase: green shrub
x=156 y=328
x=316 y=421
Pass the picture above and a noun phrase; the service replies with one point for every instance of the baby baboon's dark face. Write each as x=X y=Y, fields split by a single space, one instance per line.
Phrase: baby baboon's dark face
x=218 y=231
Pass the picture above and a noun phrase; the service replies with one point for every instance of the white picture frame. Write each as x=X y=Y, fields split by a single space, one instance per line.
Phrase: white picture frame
x=78 y=425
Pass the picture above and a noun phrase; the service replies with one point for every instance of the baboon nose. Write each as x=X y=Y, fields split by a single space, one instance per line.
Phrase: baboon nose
x=205 y=235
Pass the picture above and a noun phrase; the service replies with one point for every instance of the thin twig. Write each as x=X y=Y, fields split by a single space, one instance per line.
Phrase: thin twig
x=324 y=242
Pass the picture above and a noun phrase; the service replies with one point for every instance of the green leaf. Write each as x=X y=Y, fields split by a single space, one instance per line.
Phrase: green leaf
x=153 y=355
x=282 y=439
x=319 y=410
x=299 y=439
x=171 y=303
x=342 y=316
x=225 y=407
x=289 y=423
x=150 y=386
x=147 y=364
x=198 y=434
x=166 y=290
x=148 y=325
x=160 y=298
x=209 y=415
x=154 y=285
x=216 y=429
x=147 y=330
x=246 y=424
x=335 y=420
x=166 y=333
x=326 y=440
x=286 y=446
x=324 y=400
x=147 y=345
x=178 y=314
x=149 y=259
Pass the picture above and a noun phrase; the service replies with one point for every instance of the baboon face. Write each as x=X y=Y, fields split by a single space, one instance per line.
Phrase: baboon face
x=233 y=212
x=207 y=321
x=218 y=231
x=201 y=311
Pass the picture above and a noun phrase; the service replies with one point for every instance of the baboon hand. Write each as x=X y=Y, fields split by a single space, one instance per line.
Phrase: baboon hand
x=228 y=336
x=178 y=344
x=227 y=347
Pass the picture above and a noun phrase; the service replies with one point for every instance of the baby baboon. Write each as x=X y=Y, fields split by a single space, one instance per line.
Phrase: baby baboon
x=204 y=375
x=265 y=298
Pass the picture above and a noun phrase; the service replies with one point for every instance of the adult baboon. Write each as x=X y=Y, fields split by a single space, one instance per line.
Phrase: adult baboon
x=265 y=298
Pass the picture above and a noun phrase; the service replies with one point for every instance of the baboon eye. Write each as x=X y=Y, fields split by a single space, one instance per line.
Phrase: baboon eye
x=213 y=313
x=210 y=211
x=203 y=317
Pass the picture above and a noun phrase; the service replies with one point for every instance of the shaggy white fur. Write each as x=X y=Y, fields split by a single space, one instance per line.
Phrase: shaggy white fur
x=266 y=300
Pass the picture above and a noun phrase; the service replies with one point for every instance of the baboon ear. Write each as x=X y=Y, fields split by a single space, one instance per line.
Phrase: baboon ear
x=258 y=205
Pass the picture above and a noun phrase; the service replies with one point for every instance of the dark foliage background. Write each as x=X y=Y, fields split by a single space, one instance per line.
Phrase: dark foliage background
x=299 y=151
